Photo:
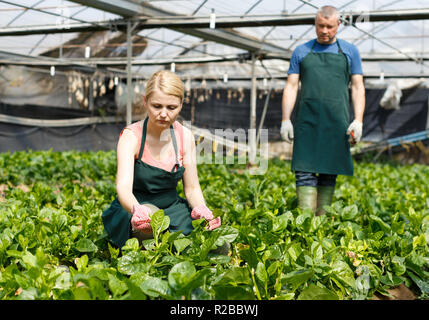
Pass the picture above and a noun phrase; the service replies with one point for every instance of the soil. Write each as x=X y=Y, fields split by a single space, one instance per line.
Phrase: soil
x=400 y=292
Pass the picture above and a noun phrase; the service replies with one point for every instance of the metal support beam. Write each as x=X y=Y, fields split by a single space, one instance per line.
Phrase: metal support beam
x=252 y=131
x=264 y=113
x=33 y=7
x=121 y=62
x=182 y=24
x=228 y=37
x=91 y=96
x=123 y=8
x=282 y=20
x=9 y=58
x=68 y=28
x=129 y=75
x=92 y=63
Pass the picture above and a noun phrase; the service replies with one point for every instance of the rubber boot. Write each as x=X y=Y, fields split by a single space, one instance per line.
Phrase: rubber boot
x=324 y=198
x=307 y=197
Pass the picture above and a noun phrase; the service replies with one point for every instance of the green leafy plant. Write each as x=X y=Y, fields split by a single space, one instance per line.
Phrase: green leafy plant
x=373 y=237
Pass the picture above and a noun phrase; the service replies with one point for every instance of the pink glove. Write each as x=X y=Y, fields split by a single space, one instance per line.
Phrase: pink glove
x=213 y=224
x=201 y=211
x=140 y=220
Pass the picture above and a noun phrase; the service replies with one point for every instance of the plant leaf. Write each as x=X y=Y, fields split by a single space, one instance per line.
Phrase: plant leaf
x=313 y=292
x=297 y=278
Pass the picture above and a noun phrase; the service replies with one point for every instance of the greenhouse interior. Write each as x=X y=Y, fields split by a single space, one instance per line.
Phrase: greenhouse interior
x=73 y=75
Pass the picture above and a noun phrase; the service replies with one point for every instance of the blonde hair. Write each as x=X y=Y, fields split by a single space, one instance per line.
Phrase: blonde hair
x=166 y=81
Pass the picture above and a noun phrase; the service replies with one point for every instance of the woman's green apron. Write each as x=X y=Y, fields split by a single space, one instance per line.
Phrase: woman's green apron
x=151 y=185
x=321 y=144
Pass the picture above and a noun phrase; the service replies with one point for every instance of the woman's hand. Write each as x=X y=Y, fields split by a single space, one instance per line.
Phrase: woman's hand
x=202 y=211
x=215 y=223
x=140 y=220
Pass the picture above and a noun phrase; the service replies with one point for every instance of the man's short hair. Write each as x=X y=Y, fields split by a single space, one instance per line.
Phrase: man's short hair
x=328 y=11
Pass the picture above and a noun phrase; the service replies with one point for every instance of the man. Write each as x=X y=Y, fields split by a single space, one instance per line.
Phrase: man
x=322 y=134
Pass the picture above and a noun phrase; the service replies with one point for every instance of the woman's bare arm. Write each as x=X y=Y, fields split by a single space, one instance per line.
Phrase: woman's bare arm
x=126 y=150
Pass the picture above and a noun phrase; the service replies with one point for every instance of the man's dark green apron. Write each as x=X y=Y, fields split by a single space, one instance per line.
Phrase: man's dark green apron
x=320 y=141
x=151 y=185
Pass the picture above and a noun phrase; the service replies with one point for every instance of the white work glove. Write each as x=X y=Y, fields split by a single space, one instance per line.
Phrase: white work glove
x=286 y=131
x=355 y=131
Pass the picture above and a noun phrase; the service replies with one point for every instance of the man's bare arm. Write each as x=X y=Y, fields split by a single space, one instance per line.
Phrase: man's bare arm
x=358 y=96
x=290 y=93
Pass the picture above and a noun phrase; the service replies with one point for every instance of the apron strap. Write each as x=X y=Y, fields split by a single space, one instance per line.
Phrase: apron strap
x=173 y=136
x=339 y=48
x=345 y=56
x=143 y=139
x=314 y=44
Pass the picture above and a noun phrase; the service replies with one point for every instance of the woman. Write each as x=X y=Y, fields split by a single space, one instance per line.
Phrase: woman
x=152 y=156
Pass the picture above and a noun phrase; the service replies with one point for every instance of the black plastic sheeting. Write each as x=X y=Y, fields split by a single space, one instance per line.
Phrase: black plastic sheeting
x=15 y=137
x=221 y=109
x=381 y=124
x=222 y=112
x=39 y=112
x=79 y=138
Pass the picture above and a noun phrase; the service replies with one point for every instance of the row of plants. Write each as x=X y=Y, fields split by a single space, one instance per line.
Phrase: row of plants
x=373 y=237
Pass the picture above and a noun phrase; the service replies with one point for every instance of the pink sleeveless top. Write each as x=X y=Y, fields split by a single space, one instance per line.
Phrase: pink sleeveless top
x=137 y=128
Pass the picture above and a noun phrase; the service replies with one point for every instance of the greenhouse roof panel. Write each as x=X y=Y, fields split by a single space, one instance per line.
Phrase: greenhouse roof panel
x=407 y=38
